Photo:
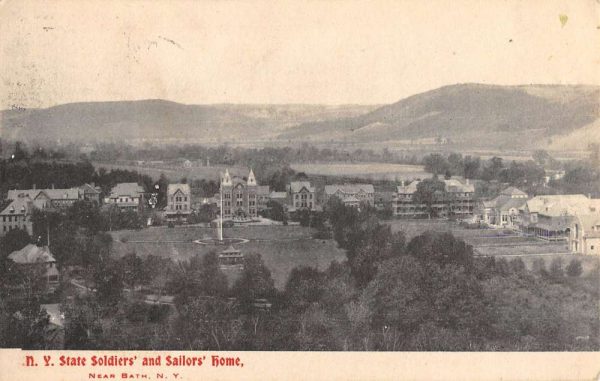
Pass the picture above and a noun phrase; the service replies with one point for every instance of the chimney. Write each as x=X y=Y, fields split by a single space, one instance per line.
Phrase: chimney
x=93 y=184
x=33 y=186
x=53 y=186
x=402 y=183
x=467 y=181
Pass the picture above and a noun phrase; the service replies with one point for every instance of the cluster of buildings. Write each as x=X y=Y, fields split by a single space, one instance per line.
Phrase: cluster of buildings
x=572 y=218
x=17 y=214
x=22 y=202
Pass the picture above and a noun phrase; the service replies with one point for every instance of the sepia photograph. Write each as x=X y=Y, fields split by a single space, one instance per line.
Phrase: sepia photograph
x=311 y=176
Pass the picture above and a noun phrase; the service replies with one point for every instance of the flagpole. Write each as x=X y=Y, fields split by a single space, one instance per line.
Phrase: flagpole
x=221 y=214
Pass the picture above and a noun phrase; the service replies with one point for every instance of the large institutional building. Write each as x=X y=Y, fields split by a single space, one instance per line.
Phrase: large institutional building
x=242 y=198
x=458 y=201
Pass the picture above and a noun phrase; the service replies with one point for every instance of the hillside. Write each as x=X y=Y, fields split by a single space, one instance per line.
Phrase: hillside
x=473 y=115
x=162 y=120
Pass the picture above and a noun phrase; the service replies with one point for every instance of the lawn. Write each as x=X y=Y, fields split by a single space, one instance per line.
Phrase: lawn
x=282 y=247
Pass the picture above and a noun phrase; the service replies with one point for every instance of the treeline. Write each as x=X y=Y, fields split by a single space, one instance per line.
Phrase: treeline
x=26 y=173
x=579 y=176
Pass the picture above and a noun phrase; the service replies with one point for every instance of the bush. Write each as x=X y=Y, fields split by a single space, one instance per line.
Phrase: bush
x=574 y=268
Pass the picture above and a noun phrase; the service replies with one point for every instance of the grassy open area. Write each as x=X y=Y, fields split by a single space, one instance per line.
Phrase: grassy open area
x=175 y=173
x=371 y=171
x=282 y=247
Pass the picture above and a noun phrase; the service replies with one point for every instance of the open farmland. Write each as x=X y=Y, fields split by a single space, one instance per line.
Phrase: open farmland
x=371 y=171
x=282 y=247
x=175 y=173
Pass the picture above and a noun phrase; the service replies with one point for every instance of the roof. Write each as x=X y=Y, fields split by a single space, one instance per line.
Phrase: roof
x=505 y=202
x=230 y=250
x=563 y=205
x=513 y=192
x=32 y=254
x=53 y=194
x=173 y=188
x=278 y=195
x=296 y=186
x=408 y=189
x=21 y=205
x=349 y=188
x=87 y=188
x=451 y=185
x=126 y=189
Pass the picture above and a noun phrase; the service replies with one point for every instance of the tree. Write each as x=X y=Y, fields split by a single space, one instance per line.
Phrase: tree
x=255 y=282
x=429 y=192
x=13 y=240
x=574 y=268
x=436 y=164
x=304 y=287
x=443 y=249
x=275 y=211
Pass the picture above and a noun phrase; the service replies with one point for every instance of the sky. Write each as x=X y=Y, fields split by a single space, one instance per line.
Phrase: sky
x=328 y=52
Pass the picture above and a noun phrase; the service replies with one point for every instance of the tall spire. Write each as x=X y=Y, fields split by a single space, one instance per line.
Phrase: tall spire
x=226 y=179
x=251 y=178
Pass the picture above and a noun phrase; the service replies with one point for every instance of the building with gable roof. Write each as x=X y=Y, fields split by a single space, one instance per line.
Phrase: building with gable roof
x=179 y=201
x=550 y=216
x=17 y=215
x=584 y=234
x=48 y=198
x=242 y=198
x=351 y=194
x=38 y=257
x=503 y=210
x=90 y=192
x=458 y=200
x=127 y=196
x=302 y=196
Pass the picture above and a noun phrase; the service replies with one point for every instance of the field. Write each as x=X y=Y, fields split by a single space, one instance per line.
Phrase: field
x=282 y=247
x=175 y=173
x=498 y=242
x=371 y=171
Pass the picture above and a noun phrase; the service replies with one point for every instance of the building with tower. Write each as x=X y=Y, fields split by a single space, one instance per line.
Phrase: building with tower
x=242 y=198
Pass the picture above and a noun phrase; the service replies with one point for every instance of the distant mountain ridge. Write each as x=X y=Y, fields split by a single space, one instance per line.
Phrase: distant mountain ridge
x=484 y=115
x=471 y=115
x=162 y=120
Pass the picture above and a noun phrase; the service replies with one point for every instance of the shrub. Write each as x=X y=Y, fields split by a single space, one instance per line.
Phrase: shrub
x=574 y=268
